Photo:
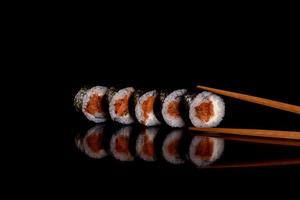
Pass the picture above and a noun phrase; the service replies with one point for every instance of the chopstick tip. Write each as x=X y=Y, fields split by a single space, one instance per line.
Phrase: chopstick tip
x=202 y=87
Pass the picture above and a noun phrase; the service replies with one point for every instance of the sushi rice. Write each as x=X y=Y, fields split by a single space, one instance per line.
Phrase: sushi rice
x=144 y=109
x=92 y=104
x=172 y=104
x=119 y=106
x=206 y=110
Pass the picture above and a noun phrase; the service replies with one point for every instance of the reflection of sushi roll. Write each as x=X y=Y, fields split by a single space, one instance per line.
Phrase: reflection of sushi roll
x=78 y=142
x=171 y=108
x=170 y=148
x=119 y=106
x=206 y=110
x=203 y=150
x=144 y=109
x=119 y=144
x=93 y=142
x=89 y=101
x=145 y=144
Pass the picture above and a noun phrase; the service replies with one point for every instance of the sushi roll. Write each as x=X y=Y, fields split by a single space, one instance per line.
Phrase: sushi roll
x=204 y=151
x=79 y=97
x=172 y=108
x=92 y=144
x=170 y=147
x=206 y=110
x=144 y=111
x=145 y=144
x=119 y=106
x=119 y=144
x=90 y=102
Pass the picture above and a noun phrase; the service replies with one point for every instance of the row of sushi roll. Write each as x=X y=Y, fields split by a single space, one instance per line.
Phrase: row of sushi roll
x=175 y=108
x=201 y=150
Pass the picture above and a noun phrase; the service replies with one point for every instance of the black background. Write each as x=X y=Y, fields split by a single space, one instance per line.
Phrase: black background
x=258 y=59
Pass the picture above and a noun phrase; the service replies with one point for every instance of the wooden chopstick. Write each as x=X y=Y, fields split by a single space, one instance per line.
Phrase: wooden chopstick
x=292 y=135
x=268 y=163
x=253 y=99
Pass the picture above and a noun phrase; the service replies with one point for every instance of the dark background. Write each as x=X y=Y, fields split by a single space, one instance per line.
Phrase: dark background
x=255 y=58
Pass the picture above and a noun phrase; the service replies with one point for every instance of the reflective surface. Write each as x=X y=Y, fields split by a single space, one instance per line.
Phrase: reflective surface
x=113 y=144
x=163 y=153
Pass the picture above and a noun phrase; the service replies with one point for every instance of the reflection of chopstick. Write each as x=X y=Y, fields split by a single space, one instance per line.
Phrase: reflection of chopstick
x=293 y=135
x=263 y=140
x=241 y=138
x=253 y=99
x=268 y=163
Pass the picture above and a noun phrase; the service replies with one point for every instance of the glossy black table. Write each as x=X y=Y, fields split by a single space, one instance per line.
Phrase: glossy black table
x=111 y=145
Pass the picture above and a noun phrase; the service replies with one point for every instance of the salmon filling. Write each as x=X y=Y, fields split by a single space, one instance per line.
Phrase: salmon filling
x=205 y=111
x=147 y=107
x=94 y=105
x=94 y=142
x=204 y=149
x=122 y=144
x=173 y=109
x=148 y=146
x=173 y=147
x=121 y=106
